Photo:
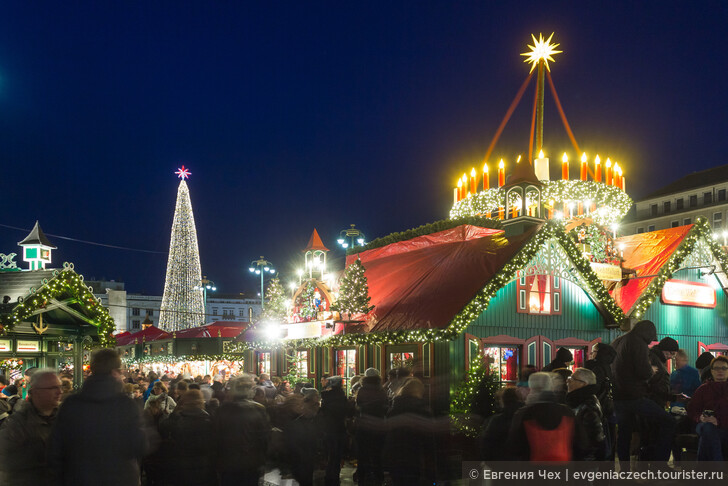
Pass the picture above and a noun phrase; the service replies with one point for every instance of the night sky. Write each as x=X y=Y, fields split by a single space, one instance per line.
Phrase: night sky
x=295 y=115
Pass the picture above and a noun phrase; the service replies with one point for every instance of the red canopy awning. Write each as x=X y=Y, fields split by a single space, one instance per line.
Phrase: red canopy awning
x=226 y=329
x=149 y=334
x=425 y=281
x=646 y=253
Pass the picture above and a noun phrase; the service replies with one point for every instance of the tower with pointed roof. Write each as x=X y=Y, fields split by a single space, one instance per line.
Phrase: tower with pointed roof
x=315 y=255
x=36 y=248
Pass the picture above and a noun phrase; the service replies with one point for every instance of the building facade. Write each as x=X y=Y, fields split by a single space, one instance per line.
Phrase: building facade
x=680 y=203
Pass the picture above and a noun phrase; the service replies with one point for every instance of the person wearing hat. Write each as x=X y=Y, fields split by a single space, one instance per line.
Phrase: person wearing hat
x=658 y=387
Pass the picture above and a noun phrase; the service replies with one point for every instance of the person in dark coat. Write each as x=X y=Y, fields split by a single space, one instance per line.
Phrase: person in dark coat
x=659 y=384
x=561 y=360
x=371 y=407
x=242 y=433
x=302 y=438
x=703 y=364
x=98 y=436
x=543 y=430
x=601 y=365
x=334 y=410
x=409 y=450
x=632 y=372
x=25 y=433
x=497 y=426
x=589 y=429
x=188 y=436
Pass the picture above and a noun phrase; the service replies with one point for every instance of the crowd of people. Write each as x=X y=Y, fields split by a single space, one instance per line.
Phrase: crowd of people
x=622 y=403
x=129 y=428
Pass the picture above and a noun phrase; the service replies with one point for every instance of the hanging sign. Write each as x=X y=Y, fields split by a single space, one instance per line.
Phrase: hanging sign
x=682 y=292
x=604 y=271
x=28 y=346
x=5 y=345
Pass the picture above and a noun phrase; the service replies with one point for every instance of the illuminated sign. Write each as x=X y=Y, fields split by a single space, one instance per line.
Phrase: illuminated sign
x=681 y=292
x=604 y=271
x=5 y=345
x=28 y=346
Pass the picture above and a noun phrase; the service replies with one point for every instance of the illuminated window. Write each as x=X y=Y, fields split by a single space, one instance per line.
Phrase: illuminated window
x=346 y=366
x=503 y=361
x=263 y=363
x=302 y=362
x=538 y=295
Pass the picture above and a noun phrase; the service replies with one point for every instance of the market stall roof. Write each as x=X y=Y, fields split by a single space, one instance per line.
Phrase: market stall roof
x=425 y=281
x=646 y=253
x=225 y=329
x=151 y=333
x=37 y=237
x=315 y=243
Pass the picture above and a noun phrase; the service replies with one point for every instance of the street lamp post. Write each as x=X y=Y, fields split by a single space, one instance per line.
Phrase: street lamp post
x=260 y=267
x=205 y=285
x=355 y=234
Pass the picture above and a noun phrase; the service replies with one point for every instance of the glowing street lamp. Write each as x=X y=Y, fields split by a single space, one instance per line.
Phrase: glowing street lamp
x=293 y=286
x=356 y=235
x=261 y=267
x=205 y=285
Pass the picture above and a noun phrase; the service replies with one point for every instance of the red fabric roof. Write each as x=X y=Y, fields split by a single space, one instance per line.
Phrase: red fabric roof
x=149 y=334
x=424 y=282
x=226 y=329
x=646 y=253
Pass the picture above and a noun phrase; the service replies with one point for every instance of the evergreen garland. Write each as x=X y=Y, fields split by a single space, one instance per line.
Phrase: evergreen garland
x=353 y=291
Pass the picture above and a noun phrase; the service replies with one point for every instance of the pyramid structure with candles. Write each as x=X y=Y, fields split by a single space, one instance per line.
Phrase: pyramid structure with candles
x=597 y=195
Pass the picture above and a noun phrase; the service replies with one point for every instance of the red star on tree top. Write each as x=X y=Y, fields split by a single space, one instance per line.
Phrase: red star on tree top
x=183 y=173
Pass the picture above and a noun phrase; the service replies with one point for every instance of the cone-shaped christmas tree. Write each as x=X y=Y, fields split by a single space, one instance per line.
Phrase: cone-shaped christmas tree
x=182 y=305
x=353 y=292
x=275 y=307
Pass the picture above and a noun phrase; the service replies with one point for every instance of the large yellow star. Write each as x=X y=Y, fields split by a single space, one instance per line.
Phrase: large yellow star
x=541 y=50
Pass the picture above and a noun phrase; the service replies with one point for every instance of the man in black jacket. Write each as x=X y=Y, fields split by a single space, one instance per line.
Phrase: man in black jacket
x=659 y=384
x=561 y=360
x=601 y=365
x=589 y=430
x=632 y=371
x=98 y=436
x=334 y=410
x=371 y=405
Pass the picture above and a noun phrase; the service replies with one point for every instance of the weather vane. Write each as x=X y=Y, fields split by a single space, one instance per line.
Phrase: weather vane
x=541 y=51
x=183 y=173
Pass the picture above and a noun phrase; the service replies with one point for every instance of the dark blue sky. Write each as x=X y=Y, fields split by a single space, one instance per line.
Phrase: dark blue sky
x=295 y=115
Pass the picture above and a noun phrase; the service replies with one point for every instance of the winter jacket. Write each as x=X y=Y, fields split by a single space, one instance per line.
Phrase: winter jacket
x=658 y=385
x=23 y=445
x=371 y=399
x=409 y=450
x=684 y=380
x=497 y=427
x=563 y=356
x=98 y=436
x=712 y=395
x=167 y=403
x=602 y=368
x=188 y=436
x=542 y=431
x=589 y=431
x=632 y=368
x=334 y=410
x=242 y=432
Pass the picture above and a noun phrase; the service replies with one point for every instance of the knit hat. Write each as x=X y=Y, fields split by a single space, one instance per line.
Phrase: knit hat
x=668 y=344
x=371 y=372
x=309 y=391
x=334 y=380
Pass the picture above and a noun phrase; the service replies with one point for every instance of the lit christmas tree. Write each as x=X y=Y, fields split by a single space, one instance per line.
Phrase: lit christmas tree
x=275 y=306
x=182 y=305
x=305 y=302
x=353 y=291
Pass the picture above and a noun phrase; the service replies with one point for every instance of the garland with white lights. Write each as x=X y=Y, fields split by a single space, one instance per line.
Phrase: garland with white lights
x=65 y=280
x=427 y=229
x=701 y=229
x=612 y=203
x=171 y=359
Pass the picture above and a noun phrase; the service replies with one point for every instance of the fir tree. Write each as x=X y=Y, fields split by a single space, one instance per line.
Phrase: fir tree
x=182 y=305
x=305 y=302
x=353 y=291
x=275 y=305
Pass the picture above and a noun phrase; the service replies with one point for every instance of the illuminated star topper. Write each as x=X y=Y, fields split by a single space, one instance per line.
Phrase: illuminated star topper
x=183 y=173
x=541 y=50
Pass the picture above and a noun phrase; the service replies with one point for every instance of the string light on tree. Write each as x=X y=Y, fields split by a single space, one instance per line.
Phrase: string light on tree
x=182 y=304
